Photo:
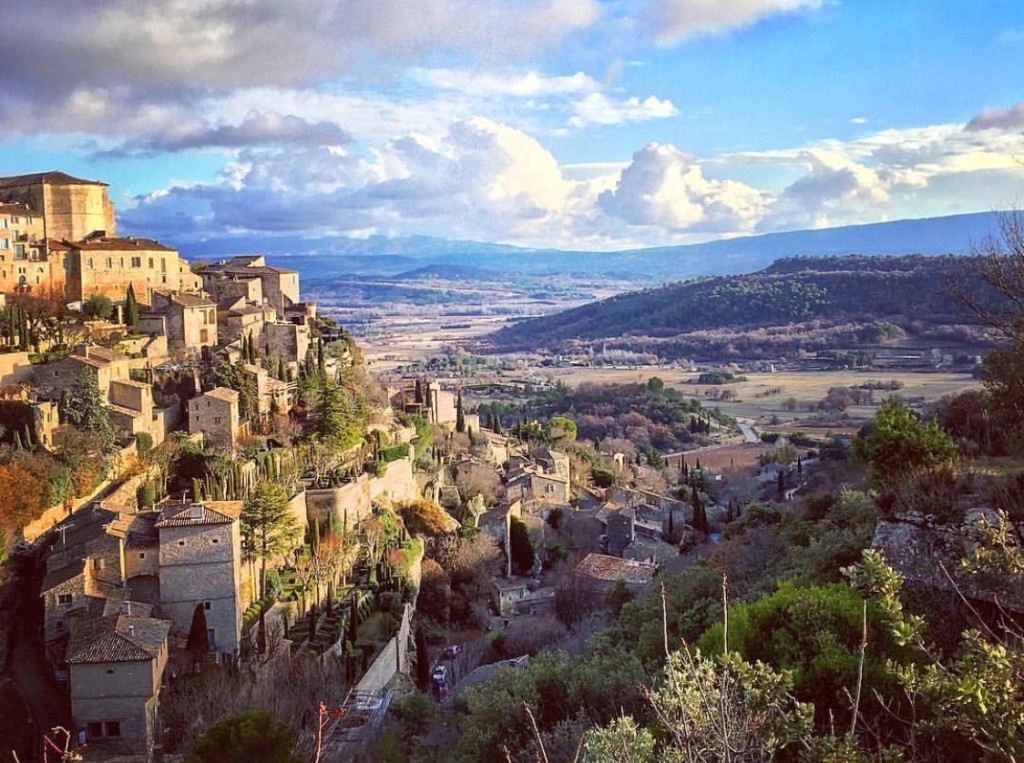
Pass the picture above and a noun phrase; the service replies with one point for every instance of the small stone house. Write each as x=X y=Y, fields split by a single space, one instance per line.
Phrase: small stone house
x=216 y=414
x=188 y=321
x=115 y=668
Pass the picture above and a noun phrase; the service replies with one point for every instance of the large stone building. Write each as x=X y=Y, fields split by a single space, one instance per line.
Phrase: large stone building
x=106 y=265
x=71 y=208
x=24 y=264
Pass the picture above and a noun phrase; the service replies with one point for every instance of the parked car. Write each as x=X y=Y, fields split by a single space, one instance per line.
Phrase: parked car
x=452 y=650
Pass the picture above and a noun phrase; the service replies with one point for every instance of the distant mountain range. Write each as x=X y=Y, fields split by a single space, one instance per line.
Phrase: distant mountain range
x=389 y=257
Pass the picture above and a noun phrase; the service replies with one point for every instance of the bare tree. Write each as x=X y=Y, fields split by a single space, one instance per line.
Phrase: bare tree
x=999 y=270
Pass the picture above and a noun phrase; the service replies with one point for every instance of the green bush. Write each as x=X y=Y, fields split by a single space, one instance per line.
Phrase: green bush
x=393 y=453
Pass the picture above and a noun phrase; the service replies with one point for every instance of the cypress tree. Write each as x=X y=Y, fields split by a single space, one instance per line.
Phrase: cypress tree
x=314 y=536
x=131 y=307
x=460 y=414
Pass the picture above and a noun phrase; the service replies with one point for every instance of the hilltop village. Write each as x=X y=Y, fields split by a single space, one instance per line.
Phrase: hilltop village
x=198 y=476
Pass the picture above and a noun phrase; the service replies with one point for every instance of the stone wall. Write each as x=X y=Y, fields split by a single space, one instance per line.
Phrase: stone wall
x=350 y=502
x=394 y=658
x=14 y=368
x=397 y=482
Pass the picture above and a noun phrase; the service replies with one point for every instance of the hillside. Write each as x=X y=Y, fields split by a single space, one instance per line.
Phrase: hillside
x=325 y=257
x=814 y=293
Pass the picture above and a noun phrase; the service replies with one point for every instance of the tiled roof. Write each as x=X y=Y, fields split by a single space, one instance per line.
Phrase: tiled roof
x=214 y=513
x=117 y=638
x=63 y=574
x=185 y=300
x=223 y=393
x=119 y=244
x=612 y=568
x=10 y=208
x=58 y=178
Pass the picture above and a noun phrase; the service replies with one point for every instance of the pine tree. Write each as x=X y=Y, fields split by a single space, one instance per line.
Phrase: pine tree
x=131 y=308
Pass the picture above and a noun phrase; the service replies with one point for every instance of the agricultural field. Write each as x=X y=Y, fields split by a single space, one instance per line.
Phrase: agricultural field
x=785 y=398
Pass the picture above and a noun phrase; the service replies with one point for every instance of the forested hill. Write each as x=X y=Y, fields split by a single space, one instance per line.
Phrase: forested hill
x=791 y=290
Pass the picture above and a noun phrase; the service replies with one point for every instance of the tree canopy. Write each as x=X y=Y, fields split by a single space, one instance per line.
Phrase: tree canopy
x=898 y=445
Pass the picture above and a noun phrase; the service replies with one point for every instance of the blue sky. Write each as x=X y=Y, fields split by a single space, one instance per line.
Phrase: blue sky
x=581 y=124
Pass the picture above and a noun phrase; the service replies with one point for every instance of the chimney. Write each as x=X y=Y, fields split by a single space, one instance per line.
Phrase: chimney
x=131 y=630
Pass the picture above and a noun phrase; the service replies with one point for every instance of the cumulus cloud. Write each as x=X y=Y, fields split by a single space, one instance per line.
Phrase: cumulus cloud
x=674 y=20
x=665 y=187
x=999 y=119
x=597 y=108
x=835 y=191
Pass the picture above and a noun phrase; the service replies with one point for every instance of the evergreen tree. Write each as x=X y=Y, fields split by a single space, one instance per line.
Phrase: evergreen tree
x=131 y=308
x=314 y=536
x=252 y=351
x=460 y=414
x=87 y=410
x=268 y=525
x=198 y=637
x=700 y=516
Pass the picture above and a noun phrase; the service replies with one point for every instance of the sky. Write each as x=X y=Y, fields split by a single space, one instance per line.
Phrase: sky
x=574 y=124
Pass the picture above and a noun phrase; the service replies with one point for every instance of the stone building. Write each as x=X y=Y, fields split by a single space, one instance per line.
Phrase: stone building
x=216 y=415
x=103 y=365
x=279 y=286
x=71 y=208
x=188 y=321
x=115 y=669
x=106 y=265
x=200 y=562
x=25 y=266
x=237 y=317
x=287 y=341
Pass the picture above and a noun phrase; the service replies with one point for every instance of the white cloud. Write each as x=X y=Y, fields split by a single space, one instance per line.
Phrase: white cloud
x=480 y=83
x=666 y=188
x=674 y=20
x=597 y=108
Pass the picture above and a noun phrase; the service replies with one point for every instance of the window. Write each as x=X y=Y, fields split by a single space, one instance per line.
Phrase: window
x=99 y=564
x=5 y=243
x=216 y=540
x=110 y=263
x=207 y=605
x=88 y=263
x=216 y=419
x=150 y=263
x=136 y=262
x=5 y=222
x=103 y=729
x=181 y=543
x=64 y=599
x=142 y=555
x=19 y=251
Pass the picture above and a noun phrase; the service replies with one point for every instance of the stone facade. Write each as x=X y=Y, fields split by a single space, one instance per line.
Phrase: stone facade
x=71 y=208
x=25 y=266
x=289 y=341
x=280 y=287
x=216 y=415
x=105 y=366
x=189 y=322
x=106 y=265
x=200 y=560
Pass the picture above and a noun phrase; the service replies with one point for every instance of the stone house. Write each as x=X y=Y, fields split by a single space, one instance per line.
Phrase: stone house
x=280 y=287
x=132 y=411
x=47 y=420
x=103 y=365
x=200 y=565
x=552 y=461
x=271 y=394
x=216 y=414
x=116 y=665
x=238 y=317
x=530 y=483
x=25 y=265
x=287 y=341
x=620 y=530
x=189 y=322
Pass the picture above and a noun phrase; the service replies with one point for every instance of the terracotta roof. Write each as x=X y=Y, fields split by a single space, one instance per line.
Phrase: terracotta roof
x=55 y=177
x=179 y=514
x=117 y=638
x=612 y=568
